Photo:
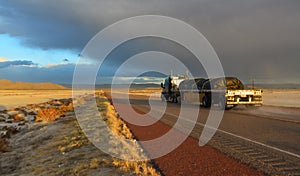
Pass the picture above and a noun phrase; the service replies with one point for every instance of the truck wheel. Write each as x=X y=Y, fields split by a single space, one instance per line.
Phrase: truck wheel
x=182 y=98
x=206 y=102
x=222 y=104
x=179 y=99
x=175 y=99
x=163 y=98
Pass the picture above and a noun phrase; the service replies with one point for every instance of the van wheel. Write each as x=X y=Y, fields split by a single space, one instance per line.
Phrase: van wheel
x=206 y=102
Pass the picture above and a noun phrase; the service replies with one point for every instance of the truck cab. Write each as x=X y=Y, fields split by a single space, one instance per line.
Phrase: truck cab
x=170 y=88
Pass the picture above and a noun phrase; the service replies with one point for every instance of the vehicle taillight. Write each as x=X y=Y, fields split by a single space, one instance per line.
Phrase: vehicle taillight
x=231 y=93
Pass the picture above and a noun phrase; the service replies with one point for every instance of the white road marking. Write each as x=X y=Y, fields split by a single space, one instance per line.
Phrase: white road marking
x=249 y=140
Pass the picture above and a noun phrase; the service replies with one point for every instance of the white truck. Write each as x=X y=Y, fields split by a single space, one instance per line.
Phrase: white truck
x=227 y=92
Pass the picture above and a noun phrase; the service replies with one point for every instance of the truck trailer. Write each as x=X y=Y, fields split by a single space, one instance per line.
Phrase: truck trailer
x=226 y=92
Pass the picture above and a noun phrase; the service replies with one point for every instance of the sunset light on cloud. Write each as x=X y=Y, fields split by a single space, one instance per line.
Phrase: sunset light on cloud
x=250 y=37
x=2 y=59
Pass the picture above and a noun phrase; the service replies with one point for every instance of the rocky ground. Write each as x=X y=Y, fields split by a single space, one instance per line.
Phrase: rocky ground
x=17 y=119
x=45 y=139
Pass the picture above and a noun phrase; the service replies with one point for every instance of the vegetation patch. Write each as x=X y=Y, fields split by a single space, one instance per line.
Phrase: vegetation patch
x=119 y=127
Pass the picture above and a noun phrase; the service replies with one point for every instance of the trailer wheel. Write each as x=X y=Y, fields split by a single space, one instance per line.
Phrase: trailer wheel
x=206 y=102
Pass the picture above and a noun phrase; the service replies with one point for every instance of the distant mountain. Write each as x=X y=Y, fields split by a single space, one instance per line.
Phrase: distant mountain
x=274 y=86
x=99 y=86
x=153 y=74
x=6 y=84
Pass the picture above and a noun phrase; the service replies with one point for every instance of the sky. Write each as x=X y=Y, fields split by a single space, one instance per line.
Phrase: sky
x=40 y=40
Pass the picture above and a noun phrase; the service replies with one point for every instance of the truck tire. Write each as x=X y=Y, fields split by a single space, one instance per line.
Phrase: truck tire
x=222 y=104
x=206 y=102
x=163 y=98
x=181 y=98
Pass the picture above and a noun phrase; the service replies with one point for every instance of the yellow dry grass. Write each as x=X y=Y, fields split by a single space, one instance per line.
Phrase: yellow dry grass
x=138 y=168
x=51 y=113
x=119 y=127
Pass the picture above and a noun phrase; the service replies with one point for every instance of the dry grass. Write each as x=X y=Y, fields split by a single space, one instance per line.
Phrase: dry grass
x=119 y=127
x=138 y=168
x=74 y=140
x=52 y=113
x=116 y=124
x=94 y=163
x=48 y=114
x=80 y=169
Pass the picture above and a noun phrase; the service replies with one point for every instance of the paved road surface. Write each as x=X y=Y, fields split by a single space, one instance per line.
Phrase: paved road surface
x=280 y=134
x=266 y=143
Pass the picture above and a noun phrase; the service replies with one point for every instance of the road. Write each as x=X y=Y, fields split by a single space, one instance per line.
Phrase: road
x=266 y=143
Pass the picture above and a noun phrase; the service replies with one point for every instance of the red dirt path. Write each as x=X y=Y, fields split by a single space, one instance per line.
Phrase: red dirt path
x=191 y=159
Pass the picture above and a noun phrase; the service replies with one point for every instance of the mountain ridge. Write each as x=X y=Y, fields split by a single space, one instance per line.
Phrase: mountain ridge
x=9 y=85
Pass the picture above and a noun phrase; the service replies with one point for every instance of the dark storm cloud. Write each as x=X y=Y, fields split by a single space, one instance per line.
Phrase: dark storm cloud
x=63 y=74
x=16 y=63
x=57 y=74
x=253 y=38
